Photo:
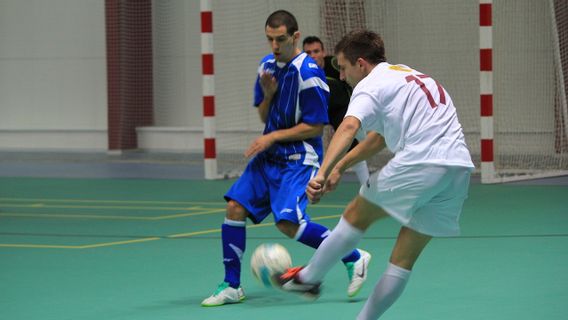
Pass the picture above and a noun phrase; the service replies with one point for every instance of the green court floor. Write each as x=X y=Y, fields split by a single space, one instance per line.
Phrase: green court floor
x=102 y=249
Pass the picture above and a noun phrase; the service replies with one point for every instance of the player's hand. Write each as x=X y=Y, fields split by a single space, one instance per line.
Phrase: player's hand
x=333 y=180
x=268 y=84
x=259 y=144
x=316 y=189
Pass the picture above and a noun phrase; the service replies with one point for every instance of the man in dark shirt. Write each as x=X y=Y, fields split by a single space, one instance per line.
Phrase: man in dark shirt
x=340 y=93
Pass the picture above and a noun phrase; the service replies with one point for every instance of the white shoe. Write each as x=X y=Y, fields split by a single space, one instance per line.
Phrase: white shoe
x=357 y=273
x=224 y=295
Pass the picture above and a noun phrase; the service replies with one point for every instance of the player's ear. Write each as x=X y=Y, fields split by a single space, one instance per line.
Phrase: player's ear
x=296 y=36
x=361 y=62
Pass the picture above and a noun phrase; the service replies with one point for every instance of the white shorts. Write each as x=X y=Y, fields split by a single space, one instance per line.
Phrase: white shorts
x=424 y=198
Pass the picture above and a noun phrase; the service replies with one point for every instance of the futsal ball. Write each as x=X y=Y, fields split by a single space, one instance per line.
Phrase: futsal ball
x=267 y=260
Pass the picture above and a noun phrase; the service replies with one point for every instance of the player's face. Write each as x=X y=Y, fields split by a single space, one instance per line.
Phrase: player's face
x=282 y=44
x=350 y=73
x=315 y=51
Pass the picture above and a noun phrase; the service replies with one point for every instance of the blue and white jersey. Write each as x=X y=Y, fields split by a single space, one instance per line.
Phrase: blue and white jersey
x=302 y=96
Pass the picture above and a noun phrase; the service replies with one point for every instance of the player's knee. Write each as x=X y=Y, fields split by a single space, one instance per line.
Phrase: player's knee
x=235 y=211
x=403 y=262
x=408 y=248
x=288 y=228
x=361 y=213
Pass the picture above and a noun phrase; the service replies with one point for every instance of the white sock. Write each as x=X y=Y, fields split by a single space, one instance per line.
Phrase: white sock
x=339 y=243
x=386 y=292
x=362 y=171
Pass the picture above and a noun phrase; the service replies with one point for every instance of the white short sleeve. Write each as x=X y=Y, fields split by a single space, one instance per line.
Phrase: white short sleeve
x=364 y=107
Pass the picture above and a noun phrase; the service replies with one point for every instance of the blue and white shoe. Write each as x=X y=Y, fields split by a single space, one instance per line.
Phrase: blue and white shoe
x=357 y=272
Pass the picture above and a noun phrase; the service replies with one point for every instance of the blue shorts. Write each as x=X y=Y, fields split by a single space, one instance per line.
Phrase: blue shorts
x=268 y=186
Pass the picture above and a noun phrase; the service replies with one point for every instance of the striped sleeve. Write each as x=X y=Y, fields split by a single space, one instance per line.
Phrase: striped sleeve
x=314 y=97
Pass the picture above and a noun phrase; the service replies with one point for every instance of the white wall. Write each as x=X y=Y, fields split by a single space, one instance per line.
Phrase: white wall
x=52 y=74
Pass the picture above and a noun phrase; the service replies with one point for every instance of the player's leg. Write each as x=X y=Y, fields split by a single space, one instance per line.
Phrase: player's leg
x=361 y=168
x=356 y=260
x=309 y=233
x=437 y=195
x=358 y=216
x=362 y=171
x=290 y=203
x=233 y=238
x=241 y=203
x=388 y=289
x=313 y=234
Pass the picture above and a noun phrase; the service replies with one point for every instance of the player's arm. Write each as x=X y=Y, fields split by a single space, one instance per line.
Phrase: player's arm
x=269 y=86
x=368 y=147
x=372 y=144
x=313 y=100
x=340 y=143
x=299 y=132
x=263 y=108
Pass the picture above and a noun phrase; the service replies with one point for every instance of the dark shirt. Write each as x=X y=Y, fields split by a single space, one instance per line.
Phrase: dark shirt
x=339 y=95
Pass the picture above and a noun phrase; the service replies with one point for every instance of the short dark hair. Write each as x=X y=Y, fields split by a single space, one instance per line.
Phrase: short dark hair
x=364 y=44
x=312 y=39
x=282 y=18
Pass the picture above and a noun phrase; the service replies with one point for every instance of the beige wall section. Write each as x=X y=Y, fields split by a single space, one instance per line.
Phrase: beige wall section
x=52 y=74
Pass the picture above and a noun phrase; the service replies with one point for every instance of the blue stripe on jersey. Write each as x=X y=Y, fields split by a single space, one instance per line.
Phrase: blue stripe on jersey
x=302 y=96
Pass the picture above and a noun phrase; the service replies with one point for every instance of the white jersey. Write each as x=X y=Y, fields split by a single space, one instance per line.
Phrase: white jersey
x=414 y=114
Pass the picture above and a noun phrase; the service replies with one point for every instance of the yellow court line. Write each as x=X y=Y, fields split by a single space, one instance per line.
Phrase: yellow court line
x=70 y=216
x=190 y=234
x=88 y=246
x=41 y=205
x=106 y=217
x=36 y=246
x=197 y=233
x=144 y=202
x=111 y=201
x=326 y=217
x=115 y=243
x=191 y=214
x=260 y=225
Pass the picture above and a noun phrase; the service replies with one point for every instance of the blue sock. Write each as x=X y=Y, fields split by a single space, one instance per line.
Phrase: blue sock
x=233 y=235
x=313 y=234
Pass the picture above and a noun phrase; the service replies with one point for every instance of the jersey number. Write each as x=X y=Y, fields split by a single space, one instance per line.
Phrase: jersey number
x=416 y=79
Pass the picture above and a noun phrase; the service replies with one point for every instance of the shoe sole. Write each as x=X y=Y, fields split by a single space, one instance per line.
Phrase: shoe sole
x=222 y=304
x=306 y=295
x=309 y=297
